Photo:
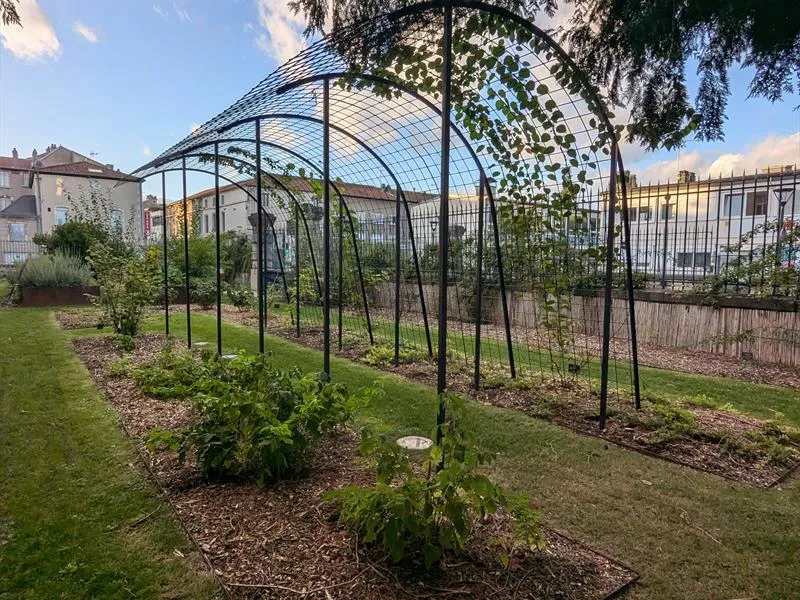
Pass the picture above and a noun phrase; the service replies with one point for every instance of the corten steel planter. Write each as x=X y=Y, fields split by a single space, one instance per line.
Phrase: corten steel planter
x=58 y=296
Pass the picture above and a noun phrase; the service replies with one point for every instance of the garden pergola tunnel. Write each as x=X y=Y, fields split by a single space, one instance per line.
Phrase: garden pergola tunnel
x=447 y=155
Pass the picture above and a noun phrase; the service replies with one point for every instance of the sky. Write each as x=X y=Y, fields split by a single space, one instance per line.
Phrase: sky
x=124 y=80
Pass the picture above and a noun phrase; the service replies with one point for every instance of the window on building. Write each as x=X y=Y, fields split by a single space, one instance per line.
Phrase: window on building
x=689 y=260
x=62 y=215
x=5 y=179
x=732 y=205
x=644 y=213
x=632 y=212
x=222 y=200
x=667 y=211
x=205 y=224
x=116 y=221
x=157 y=221
x=16 y=232
x=222 y=219
x=757 y=203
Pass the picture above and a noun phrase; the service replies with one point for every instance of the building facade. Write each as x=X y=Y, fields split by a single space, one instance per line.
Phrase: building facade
x=43 y=191
x=689 y=229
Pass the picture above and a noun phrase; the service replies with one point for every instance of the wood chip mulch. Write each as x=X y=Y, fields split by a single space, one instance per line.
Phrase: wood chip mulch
x=577 y=411
x=79 y=318
x=282 y=541
x=684 y=360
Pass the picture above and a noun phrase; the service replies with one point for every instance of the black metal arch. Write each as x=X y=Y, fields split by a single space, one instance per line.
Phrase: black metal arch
x=264 y=102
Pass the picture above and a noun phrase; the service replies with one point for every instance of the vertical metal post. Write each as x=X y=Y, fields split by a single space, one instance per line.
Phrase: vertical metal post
x=259 y=240
x=297 y=269
x=419 y=280
x=217 y=242
x=502 y=280
x=479 y=292
x=665 y=241
x=164 y=249
x=186 y=256
x=444 y=217
x=397 y=279
x=341 y=269
x=626 y=232
x=612 y=198
x=326 y=230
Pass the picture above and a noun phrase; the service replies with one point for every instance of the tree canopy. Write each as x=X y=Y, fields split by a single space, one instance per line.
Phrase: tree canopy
x=639 y=52
x=8 y=12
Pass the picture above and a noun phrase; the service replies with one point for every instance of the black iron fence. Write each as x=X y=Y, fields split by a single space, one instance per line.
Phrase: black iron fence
x=739 y=232
x=13 y=252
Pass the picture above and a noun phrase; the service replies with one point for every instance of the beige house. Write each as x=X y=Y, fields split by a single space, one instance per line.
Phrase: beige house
x=43 y=191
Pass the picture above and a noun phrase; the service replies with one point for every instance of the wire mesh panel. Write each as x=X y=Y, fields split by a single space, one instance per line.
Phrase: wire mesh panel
x=530 y=192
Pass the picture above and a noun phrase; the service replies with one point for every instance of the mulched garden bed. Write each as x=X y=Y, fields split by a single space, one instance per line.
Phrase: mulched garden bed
x=281 y=541
x=577 y=407
x=79 y=318
x=684 y=360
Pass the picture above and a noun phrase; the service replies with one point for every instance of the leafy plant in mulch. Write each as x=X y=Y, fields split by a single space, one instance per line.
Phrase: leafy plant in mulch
x=383 y=356
x=204 y=292
x=128 y=284
x=412 y=515
x=256 y=422
x=240 y=296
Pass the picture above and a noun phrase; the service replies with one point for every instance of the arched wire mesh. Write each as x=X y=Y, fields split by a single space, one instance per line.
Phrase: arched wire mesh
x=533 y=165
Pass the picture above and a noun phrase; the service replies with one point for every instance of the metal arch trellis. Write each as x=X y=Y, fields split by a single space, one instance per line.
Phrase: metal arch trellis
x=325 y=62
x=293 y=199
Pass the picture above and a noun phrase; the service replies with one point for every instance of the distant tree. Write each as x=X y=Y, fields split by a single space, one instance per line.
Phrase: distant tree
x=8 y=12
x=639 y=51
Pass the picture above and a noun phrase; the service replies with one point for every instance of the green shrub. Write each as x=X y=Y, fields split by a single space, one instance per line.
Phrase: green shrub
x=73 y=237
x=54 y=270
x=128 y=284
x=204 y=292
x=240 y=296
x=383 y=356
x=124 y=342
x=173 y=374
x=259 y=423
x=411 y=515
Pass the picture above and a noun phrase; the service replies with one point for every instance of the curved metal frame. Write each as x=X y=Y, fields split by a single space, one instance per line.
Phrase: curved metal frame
x=588 y=93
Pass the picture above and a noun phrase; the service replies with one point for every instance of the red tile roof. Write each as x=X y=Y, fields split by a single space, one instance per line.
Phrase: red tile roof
x=19 y=164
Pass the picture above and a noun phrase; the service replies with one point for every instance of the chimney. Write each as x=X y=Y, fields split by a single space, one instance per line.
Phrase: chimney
x=14 y=154
x=109 y=166
x=33 y=156
x=632 y=180
x=686 y=177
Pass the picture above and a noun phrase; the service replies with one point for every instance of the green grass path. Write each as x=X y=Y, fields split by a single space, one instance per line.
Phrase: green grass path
x=658 y=517
x=71 y=485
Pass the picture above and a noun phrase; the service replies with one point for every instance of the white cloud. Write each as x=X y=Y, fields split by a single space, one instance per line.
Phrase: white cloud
x=180 y=10
x=85 y=32
x=36 y=39
x=146 y=150
x=281 y=31
x=160 y=12
x=772 y=150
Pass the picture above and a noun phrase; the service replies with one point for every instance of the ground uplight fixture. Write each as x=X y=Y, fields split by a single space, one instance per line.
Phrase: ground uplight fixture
x=414 y=442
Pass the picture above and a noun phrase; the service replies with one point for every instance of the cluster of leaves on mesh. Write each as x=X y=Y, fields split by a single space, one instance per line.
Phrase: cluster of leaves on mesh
x=414 y=516
x=255 y=422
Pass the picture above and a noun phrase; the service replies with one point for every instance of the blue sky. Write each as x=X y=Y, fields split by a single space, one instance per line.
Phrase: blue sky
x=128 y=78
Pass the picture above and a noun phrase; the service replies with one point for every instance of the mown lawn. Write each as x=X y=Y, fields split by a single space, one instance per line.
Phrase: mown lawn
x=73 y=498
x=690 y=534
